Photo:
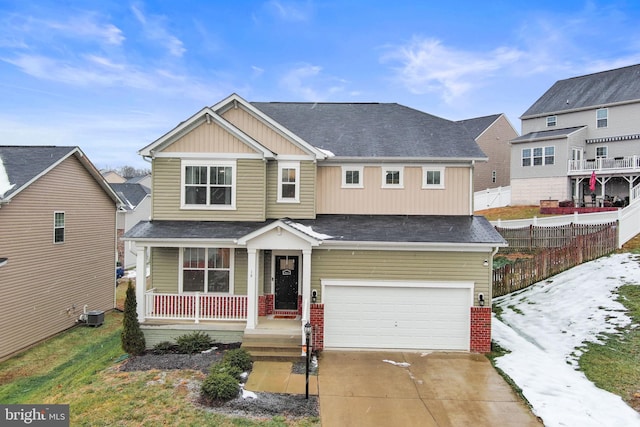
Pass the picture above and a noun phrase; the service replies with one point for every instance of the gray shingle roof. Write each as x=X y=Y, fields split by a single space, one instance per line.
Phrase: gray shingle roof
x=477 y=125
x=131 y=194
x=24 y=163
x=591 y=90
x=547 y=134
x=374 y=130
x=342 y=228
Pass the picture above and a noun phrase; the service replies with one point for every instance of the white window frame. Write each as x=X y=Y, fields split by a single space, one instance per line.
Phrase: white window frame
x=606 y=152
x=605 y=119
x=231 y=269
x=542 y=156
x=427 y=186
x=552 y=121
x=58 y=227
x=359 y=169
x=296 y=167
x=208 y=164
x=386 y=169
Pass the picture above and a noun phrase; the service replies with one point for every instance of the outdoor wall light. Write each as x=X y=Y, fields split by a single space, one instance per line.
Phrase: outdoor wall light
x=481 y=300
x=3 y=261
x=314 y=296
x=486 y=263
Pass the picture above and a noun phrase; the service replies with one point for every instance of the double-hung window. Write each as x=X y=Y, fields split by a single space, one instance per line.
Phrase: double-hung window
x=207 y=270
x=289 y=182
x=552 y=121
x=392 y=177
x=58 y=227
x=538 y=156
x=208 y=185
x=602 y=117
x=432 y=177
x=352 y=177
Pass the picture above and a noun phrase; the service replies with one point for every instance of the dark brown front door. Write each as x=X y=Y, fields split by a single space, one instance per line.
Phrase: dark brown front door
x=286 y=282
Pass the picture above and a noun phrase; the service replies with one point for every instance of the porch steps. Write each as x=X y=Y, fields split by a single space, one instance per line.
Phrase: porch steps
x=274 y=347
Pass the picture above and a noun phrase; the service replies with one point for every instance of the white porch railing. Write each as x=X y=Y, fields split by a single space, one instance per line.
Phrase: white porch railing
x=618 y=164
x=195 y=306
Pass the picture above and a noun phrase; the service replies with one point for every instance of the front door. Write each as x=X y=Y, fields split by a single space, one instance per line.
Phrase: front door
x=286 y=278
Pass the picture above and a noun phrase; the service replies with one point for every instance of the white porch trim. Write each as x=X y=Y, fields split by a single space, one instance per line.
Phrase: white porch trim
x=141 y=281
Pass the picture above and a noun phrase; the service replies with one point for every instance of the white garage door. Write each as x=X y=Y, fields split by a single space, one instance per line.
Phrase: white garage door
x=397 y=315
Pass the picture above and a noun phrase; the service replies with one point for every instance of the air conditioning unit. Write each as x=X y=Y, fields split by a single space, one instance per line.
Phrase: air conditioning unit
x=95 y=318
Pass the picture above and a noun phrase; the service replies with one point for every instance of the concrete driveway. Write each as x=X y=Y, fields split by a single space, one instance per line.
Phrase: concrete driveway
x=434 y=389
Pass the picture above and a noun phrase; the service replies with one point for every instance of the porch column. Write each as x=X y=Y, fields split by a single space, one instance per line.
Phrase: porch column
x=252 y=289
x=141 y=281
x=306 y=283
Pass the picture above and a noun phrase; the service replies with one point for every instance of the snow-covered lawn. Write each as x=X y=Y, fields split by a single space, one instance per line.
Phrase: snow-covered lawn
x=544 y=327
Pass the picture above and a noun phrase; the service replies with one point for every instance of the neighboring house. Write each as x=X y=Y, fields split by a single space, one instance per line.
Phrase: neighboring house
x=113 y=177
x=355 y=217
x=136 y=207
x=142 y=180
x=582 y=127
x=493 y=134
x=57 y=228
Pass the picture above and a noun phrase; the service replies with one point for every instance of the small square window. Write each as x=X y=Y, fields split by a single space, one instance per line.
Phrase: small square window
x=392 y=177
x=552 y=121
x=352 y=177
x=602 y=152
x=432 y=178
x=58 y=227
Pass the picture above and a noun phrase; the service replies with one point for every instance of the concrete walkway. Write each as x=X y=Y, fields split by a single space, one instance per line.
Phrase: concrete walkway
x=276 y=377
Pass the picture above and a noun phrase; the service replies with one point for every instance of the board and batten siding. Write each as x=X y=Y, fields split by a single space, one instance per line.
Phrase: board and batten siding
x=400 y=266
x=250 y=193
x=262 y=133
x=45 y=285
x=208 y=138
x=307 y=206
x=454 y=199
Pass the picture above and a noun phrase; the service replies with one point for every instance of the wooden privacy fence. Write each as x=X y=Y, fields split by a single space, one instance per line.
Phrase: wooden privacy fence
x=535 y=238
x=551 y=260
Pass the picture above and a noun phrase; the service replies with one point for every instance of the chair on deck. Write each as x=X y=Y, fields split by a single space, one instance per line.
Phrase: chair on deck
x=589 y=200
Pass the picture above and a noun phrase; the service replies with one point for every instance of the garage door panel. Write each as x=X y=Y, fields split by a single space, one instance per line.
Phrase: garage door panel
x=397 y=317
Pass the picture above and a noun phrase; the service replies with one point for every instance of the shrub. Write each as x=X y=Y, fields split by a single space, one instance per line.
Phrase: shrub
x=194 y=342
x=164 y=347
x=226 y=368
x=220 y=386
x=238 y=357
x=133 y=341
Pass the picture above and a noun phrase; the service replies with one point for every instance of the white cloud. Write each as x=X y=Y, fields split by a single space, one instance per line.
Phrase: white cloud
x=308 y=83
x=426 y=65
x=289 y=11
x=155 y=29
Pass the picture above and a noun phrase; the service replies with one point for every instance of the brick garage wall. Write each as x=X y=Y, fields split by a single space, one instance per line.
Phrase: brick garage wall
x=317 y=321
x=481 y=329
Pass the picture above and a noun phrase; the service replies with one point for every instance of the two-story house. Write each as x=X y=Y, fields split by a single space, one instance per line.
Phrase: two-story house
x=581 y=141
x=136 y=207
x=355 y=217
x=57 y=236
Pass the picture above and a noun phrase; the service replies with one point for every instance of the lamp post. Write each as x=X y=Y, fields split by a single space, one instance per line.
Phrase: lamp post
x=307 y=333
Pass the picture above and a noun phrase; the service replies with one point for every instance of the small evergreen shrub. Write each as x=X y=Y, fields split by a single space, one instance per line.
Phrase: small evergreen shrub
x=226 y=368
x=194 y=342
x=238 y=357
x=164 y=347
x=220 y=386
x=132 y=337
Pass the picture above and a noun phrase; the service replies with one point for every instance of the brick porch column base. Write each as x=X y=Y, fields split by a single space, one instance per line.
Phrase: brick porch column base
x=262 y=308
x=480 y=329
x=317 y=321
x=268 y=304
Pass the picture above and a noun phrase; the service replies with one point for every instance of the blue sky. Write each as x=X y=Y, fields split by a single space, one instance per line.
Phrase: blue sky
x=111 y=76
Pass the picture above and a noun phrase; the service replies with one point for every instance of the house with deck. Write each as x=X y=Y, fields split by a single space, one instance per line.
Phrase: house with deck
x=58 y=242
x=354 y=217
x=581 y=142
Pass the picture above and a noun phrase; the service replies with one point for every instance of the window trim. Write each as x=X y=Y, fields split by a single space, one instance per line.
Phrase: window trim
x=386 y=169
x=552 y=121
x=208 y=164
x=543 y=156
x=425 y=185
x=231 y=270
x=296 y=167
x=58 y=227
x=605 y=118
x=359 y=169
x=606 y=152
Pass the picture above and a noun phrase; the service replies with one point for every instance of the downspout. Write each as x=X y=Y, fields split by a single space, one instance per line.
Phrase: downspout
x=471 y=201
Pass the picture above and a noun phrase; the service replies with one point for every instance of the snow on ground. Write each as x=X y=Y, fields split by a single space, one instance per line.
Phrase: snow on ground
x=544 y=327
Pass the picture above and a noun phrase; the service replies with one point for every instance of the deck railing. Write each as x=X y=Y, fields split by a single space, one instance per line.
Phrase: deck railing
x=195 y=306
x=628 y=163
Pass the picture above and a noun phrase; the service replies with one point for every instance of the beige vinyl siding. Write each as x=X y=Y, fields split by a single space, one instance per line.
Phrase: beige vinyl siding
x=241 y=261
x=165 y=270
x=45 y=285
x=494 y=142
x=303 y=210
x=400 y=266
x=208 y=138
x=257 y=130
x=454 y=199
x=227 y=332
x=250 y=193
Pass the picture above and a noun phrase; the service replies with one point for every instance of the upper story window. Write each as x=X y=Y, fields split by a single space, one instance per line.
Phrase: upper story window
x=552 y=121
x=352 y=177
x=289 y=182
x=392 y=177
x=207 y=270
x=208 y=184
x=602 y=152
x=538 y=156
x=602 y=117
x=58 y=227
x=432 y=177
